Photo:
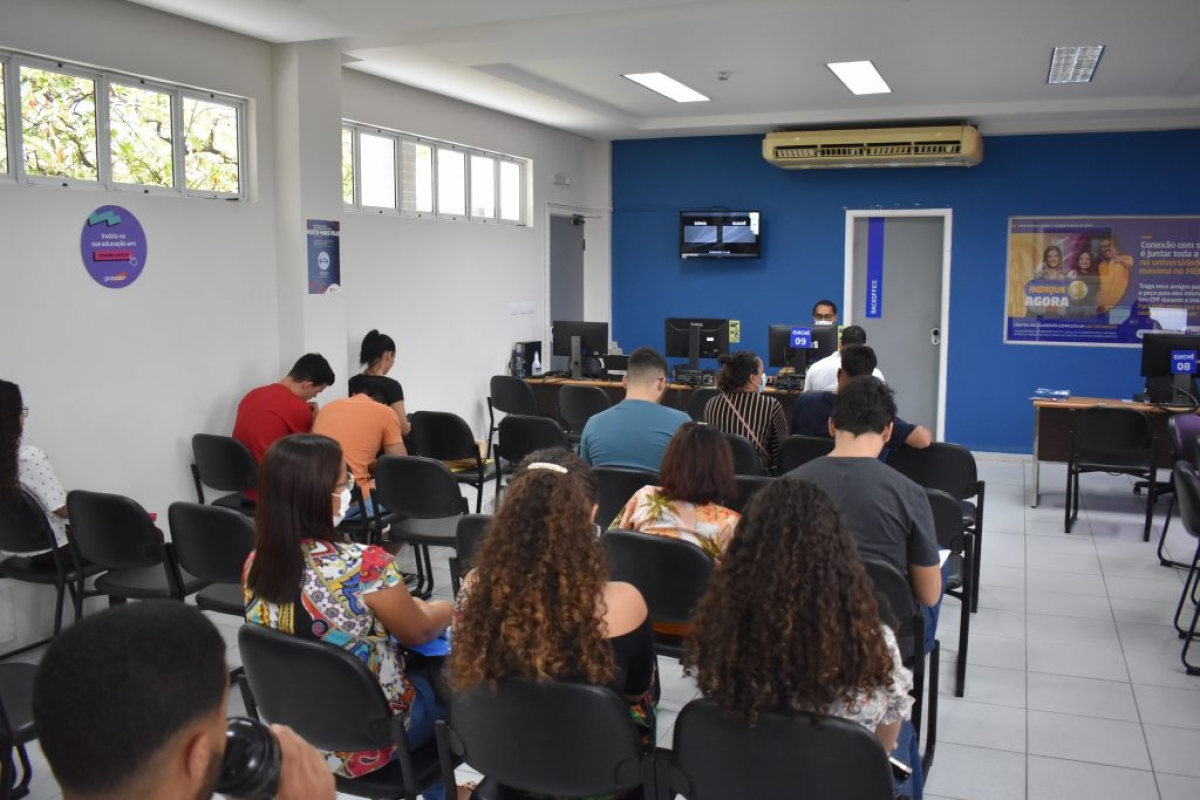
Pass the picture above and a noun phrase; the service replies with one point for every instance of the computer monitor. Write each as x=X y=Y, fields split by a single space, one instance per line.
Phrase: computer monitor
x=780 y=352
x=1158 y=348
x=577 y=340
x=824 y=343
x=694 y=338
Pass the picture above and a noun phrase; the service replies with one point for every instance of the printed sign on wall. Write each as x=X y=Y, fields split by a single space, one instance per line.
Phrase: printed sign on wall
x=324 y=256
x=113 y=246
x=1100 y=280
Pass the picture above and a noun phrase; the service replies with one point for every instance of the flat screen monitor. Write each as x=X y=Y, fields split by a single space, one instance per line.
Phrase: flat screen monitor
x=694 y=338
x=780 y=352
x=578 y=341
x=1158 y=349
x=825 y=343
x=720 y=234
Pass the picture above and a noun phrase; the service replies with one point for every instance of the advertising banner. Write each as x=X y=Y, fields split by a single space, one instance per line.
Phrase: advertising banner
x=113 y=246
x=1100 y=280
x=324 y=256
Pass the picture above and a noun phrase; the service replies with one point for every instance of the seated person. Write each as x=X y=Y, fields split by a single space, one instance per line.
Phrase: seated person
x=741 y=408
x=887 y=514
x=364 y=427
x=697 y=474
x=130 y=702
x=822 y=376
x=634 y=433
x=303 y=579
x=810 y=416
x=378 y=356
x=791 y=559
x=539 y=605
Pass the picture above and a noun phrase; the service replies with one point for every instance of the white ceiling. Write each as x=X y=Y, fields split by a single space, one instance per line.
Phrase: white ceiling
x=560 y=62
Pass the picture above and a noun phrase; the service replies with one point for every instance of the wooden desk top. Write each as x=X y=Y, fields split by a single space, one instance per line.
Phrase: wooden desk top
x=679 y=387
x=1074 y=403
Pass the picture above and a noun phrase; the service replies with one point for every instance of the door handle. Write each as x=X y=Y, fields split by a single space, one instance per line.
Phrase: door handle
x=935 y=337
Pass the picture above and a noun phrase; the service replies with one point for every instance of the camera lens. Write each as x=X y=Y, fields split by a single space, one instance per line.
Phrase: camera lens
x=250 y=769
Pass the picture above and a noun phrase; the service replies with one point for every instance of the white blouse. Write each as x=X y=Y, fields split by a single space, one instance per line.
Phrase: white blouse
x=884 y=704
x=36 y=476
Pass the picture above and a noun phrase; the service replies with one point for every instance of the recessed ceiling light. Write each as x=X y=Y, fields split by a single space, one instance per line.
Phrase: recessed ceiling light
x=860 y=77
x=667 y=87
x=1074 y=64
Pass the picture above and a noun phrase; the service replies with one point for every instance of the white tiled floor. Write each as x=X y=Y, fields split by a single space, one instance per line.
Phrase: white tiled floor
x=1074 y=688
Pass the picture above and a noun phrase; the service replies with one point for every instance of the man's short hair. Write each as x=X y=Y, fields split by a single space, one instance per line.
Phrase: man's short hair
x=820 y=303
x=853 y=334
x=645 y=364
x=314 y=368
x=112 y=689
x=372 y=391
x=858 y=359
x=865 y=405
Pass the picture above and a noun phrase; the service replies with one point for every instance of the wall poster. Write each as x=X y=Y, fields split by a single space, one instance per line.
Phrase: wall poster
x=1100 y=280
x=324 y=256
x=113 y=246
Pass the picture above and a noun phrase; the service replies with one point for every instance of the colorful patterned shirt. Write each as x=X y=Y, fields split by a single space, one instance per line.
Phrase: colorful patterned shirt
x=709 y=526
x=329 y=607
x=884 y=704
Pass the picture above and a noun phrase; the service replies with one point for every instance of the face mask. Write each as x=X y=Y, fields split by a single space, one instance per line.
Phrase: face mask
x=343 y=507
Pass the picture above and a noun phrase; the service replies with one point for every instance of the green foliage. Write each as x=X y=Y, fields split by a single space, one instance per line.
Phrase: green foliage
x=140 y=136
x=210 y=133
x=58 y=116
x=3 y=126
x=347 y=166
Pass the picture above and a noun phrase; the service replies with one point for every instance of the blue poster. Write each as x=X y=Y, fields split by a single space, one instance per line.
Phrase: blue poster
x=113 y=246
x=324 y=256
x=875 y=267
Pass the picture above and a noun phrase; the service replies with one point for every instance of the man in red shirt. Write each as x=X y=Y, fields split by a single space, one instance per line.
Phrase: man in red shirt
x=278 y=409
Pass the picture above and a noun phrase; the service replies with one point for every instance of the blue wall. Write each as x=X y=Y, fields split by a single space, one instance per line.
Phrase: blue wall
x=804 y=243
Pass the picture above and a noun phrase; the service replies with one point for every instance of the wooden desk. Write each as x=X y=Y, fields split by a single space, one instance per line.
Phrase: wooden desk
x=1052 y=431
x=677 y=395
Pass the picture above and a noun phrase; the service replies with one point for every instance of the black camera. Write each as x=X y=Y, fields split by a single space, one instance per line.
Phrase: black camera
x=250 y=769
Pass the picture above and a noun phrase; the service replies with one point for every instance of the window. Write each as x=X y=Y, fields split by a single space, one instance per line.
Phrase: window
x=378 y=157
x=483 y=187
x=3 y=126
x=348 y=166
x=211 y=159
x=141 y=136
x=451 y=182
x=58 y=124
x=511 y=191
x=418 y=177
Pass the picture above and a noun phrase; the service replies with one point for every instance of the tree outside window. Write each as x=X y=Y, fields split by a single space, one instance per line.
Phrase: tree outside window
x=210 y=131
x=140 y=136
x=58 y=124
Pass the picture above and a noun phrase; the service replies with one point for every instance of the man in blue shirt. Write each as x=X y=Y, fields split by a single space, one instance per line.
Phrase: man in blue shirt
x=635 y=432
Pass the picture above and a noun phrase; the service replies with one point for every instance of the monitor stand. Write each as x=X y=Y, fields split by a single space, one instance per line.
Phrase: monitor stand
x=576 y=358
x=1184 y=388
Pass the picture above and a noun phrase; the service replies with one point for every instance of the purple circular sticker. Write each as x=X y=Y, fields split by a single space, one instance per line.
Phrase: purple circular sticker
x=113 y=246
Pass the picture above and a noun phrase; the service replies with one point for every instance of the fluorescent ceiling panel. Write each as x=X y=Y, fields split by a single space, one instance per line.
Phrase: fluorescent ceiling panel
x=1074 y=64
x=860 y=77
x=667 y=87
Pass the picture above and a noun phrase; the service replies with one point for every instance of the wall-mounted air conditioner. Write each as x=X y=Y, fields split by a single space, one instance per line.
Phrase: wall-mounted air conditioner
x=954 y=146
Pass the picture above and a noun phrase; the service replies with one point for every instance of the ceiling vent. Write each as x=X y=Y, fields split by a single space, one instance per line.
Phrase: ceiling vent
x=955 y=146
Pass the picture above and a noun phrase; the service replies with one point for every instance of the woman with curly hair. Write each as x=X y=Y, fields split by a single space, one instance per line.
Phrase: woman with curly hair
x=792 y=559
x=539 y=605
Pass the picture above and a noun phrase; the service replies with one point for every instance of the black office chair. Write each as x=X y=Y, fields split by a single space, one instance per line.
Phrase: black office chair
x=798 y=756
x=225 y=464
x=745 y=456
x=947 y=524
x=25 y=530
x=798 y=449
x=1183 y=430
x=424 y=495
x=578 y=404
x=617 y=485
x=700 y=398
x=212 y=544
x=468 y=536
x=16 y=727
x=1113 y=440
x=330 y=698
x=952 y=469
x=554 y=739
x=747 y=487
x=508 y=395
x=116 y=533
x=900 y=612
x=447 y=437
x=520 y=435
x=1187 y=489
x=671 y=574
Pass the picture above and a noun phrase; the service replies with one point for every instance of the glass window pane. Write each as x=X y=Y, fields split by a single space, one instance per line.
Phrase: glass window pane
x=58 y=121
x=3 y=126
x=348 y=166
x=210 y=135
x=417 y=176
x=483 y=187
x=378 y=172
x=510 y=191
x=140 y=140
x=452 y=182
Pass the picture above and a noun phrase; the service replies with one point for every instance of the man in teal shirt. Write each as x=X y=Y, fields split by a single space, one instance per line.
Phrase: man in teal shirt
x=635 y=432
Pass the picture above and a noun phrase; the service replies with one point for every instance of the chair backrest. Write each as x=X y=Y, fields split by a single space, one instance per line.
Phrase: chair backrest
x=671 y=574
x=617 y=485
x=897 y=608
x=1111 y=435
x=948 y=467
x=716 y=756
x=211 y=542
x=799 y=449
x=558 y=739
x=1184 y=428
x=512 y=395
x=24 y=528
x=700 y=398
x=442 y=435
x=747 y=485
x=519 y=435
x=745 y=455
x=947 y=520
x=112 y=531
x=418 y=487
x=578 y=404
x=326 y=694
x=224 y=463
x=469 y=535
x=1187 y=492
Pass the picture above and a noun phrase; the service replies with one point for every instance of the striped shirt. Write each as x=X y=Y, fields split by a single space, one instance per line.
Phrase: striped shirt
x=764 y=416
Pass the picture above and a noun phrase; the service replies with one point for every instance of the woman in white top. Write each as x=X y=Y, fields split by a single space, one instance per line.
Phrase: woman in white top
x=24 y=466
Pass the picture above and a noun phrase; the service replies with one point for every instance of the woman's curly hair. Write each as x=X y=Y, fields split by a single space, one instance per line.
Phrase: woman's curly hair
x=536 y=594
x=790 y=622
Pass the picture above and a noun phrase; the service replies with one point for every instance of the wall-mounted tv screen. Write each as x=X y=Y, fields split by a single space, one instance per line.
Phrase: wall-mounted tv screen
x=719 y=234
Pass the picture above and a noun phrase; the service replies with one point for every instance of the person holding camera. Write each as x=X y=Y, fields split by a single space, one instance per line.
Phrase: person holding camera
x=131 y=702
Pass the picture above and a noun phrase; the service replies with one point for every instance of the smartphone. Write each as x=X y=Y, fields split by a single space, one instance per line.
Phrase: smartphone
x=900 y=770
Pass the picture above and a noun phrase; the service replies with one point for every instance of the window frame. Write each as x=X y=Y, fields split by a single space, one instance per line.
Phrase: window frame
x=397 y=190
x=100 y=96
x=7 y=175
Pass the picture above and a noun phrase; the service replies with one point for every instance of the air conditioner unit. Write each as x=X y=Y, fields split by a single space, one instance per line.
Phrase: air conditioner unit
x=956 y=146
